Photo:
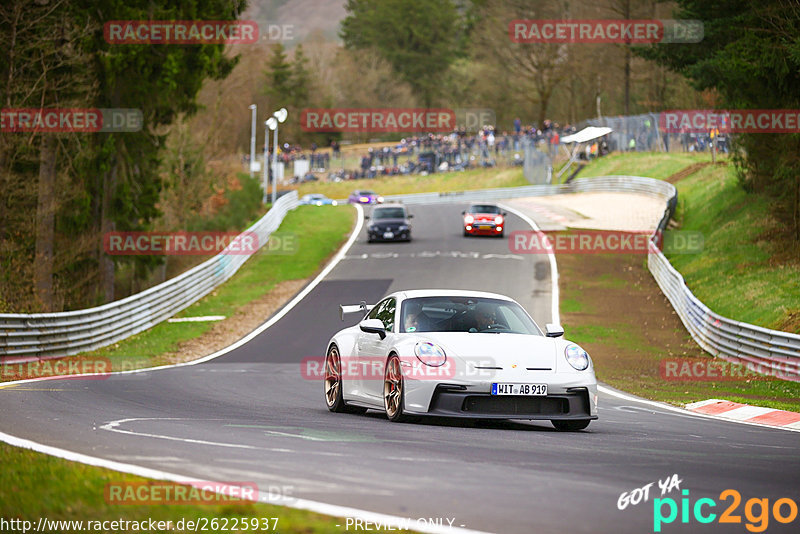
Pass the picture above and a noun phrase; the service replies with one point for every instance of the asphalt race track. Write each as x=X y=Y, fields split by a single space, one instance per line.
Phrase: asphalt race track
x=249 y=416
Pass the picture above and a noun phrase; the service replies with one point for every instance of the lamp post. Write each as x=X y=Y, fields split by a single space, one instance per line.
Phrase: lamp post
x=252 y=139
x=272 y=124
x=265 y=184
x=277 y=117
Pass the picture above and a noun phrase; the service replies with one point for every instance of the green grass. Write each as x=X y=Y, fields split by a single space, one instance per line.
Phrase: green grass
x=659 y=165
x=317 y=231
x=739 y=274
x=742 y=273
x=34 y=485
x=415 y=183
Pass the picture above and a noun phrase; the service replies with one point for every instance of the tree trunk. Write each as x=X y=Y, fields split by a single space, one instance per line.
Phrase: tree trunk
x=107 y=225
x=45 y=231
x=797 y=209
x=627 y=64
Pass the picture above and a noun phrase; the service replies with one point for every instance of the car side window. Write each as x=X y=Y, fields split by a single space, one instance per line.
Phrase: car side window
x=384 y=311
x=373 y=313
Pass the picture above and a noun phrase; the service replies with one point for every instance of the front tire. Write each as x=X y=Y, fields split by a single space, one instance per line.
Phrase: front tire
x=333 y=384
x=393 y=390
x=571 y=426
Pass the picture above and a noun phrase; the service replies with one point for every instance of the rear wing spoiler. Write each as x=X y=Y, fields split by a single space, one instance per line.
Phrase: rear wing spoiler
x=363 y=307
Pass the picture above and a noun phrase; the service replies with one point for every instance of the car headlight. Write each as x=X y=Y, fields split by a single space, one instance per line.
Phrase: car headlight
x=430 y=354
x=469 y=219
x=498 y=219
x=380 y=200
x=577 y=357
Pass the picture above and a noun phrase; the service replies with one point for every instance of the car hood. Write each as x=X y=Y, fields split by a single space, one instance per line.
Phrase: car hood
x=499 y=350
x=389 y=221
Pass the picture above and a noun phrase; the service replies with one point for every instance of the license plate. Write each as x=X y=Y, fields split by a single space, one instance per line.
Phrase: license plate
x=518 y=389
x=484 y=226
x=388 y=235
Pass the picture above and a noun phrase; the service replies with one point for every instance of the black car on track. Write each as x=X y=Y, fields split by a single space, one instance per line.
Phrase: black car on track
x=389 y=222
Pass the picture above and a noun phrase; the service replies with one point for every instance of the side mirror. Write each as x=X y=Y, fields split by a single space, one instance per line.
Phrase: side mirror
x=505 y=214
x=373 y=326
x=410 y=216
x=554 y=330
x=463 y=213
x=366 y=217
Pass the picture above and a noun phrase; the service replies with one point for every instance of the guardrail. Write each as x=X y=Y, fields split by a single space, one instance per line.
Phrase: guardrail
x=43 y=335
x=758 y=348
x=67 y=333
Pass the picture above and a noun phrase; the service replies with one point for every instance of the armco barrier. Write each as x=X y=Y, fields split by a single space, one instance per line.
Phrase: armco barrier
x=43 y=335
x=731 y=340
x=77 y=331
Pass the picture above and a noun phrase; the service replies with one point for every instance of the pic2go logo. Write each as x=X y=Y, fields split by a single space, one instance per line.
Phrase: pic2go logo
x=756 y=511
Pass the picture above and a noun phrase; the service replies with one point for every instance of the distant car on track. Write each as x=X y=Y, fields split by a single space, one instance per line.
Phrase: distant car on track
x=389 y=222
x=364 y=196
x=458 y=353
x=317 y=200
x=484 y=219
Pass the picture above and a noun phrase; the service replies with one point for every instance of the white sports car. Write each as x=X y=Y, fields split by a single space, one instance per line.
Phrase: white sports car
x=458 y=353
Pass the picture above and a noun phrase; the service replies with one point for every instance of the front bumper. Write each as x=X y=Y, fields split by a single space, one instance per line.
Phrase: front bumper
x=453 y=401
x=488 y=229
x=378 y=235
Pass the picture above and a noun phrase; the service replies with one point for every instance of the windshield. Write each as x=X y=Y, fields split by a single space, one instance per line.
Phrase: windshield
x=484 y=208
x=389 y=213
x=364 y=193
x=466 y=314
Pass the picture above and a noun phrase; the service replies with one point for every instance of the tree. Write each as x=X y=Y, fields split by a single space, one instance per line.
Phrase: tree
x=536 y=69
x=68 y=189
x=750 y=55
x=419 y=39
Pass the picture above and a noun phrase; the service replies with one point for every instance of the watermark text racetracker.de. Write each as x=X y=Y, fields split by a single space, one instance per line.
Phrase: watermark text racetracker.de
x=84 y=368
x=383 y=120
x=717 y=370
x=604 y=242
x=414 y=368
x=78 y=120
x=730 y=121
x=620 y=31
x=193 y=493
x=195 y=524
x=179 y=243
x=183 y=32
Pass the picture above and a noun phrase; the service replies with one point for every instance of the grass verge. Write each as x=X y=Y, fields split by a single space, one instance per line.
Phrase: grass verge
x=625 y=322
x=660 y=165
x=309 y=236
x=35 y=485
x=746 y=270
x=416 y=183
x=612 y=307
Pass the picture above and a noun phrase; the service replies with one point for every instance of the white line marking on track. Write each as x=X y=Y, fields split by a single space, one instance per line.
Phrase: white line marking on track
x=275 y=318
x=685 y=413
x=201 y=319
x=290 y=502
x=554 y=278
x=554 y=314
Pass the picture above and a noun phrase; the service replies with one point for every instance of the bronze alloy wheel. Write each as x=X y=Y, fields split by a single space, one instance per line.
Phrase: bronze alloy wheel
x=333 y=378
x=333 y=384
x=393 y=389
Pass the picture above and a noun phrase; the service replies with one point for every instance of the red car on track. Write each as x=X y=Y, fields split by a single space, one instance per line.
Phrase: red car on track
x=484 y=219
